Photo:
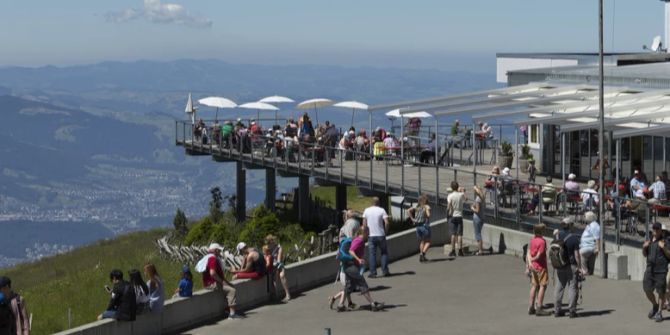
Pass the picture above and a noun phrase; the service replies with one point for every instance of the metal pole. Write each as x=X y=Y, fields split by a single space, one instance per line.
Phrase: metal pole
x=474 y=154
x=616 y=189
x=435 y=160
x=564 y=195
x=516 y=148
x=601 y=137
x=402 y=156
x=370 y=144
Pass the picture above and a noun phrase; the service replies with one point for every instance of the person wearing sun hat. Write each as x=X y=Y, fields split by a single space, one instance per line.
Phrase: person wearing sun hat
x=214 y=278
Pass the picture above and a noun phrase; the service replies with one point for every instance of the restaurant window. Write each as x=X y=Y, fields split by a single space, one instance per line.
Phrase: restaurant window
x=534 y=135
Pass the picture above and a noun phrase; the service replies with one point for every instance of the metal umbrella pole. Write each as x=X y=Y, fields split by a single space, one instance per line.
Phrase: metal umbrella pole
x=601 y=137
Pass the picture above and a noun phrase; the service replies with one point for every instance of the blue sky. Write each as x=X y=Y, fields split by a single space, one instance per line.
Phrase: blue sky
x=444 y=34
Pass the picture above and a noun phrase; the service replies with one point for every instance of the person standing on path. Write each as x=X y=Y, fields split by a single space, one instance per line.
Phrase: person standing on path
x=589 y=246
x=536 y=269
x=455 y=202
x=17 y=305
x=478 y=217
x=420 y=217
x=568 y=275
x=657 y=253
x=355 y=282
x=377 y=222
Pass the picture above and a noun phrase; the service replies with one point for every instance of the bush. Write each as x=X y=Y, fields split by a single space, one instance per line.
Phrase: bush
x=201 y=232
x=262 y=223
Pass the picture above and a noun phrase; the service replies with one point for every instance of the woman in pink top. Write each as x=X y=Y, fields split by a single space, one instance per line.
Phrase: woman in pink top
x=355 y=280
x=536 y=269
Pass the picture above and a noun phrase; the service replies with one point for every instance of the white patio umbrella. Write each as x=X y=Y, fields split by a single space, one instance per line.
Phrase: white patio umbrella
x=354 y=105
x=276 y=99
x=258 y=106
x=314 y=104
x=190 y=109
x=396 y=113
x=218 y=102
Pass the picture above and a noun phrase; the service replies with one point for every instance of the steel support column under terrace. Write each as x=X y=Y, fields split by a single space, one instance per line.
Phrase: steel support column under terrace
x=303 y=199
x=270 y=188
x=241 y=195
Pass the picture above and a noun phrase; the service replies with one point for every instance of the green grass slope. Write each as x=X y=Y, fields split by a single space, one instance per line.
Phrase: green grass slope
x=76 y=280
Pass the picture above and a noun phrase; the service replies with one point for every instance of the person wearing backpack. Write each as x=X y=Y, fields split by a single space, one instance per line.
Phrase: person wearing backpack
x=351 y=260
x=536 y=269
x=657 y=253
x=565 y=258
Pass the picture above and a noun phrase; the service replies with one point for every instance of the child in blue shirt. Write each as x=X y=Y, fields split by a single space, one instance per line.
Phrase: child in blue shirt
x=185 y=288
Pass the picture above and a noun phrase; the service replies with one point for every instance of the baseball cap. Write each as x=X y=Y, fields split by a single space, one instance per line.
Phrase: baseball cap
x=185 y=269
x=240 y=246
x=214 y=246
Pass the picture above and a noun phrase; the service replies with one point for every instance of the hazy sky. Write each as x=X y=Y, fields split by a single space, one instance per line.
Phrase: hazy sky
x=442 y=34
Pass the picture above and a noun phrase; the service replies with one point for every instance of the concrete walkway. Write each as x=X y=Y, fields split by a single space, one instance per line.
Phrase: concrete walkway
x=470 y=295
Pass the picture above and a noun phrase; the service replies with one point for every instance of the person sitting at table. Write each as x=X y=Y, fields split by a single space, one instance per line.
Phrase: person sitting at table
x=380 y=133
x=346 y=144
x=391 y=144
x=226 y=132
x=571 y=186
x=198 y=129
x=590 y=198
x=490 y=183
x=362 y=142
x=548 y=193
x=658 y=189
x=636 y=183
x=429 y=151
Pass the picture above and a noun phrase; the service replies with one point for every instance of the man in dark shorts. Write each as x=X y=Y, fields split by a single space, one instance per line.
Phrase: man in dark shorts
x=657 y=253
x=455 y=202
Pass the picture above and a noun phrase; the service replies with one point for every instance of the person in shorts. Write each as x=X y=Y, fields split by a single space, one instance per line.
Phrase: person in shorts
x=420 y=218
x=455 y=202
x=657 y=253
x=536 y=269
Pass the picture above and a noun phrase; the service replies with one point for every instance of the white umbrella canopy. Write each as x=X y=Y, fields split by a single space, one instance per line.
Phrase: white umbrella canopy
x=189 y=108
x=276 y=99
x=354 y=105
x=315 y=103
x=218 y=102
x=258 y=106
x=396 y=113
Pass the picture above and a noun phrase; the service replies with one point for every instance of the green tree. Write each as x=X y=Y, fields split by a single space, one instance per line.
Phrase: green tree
x=201 y=232
x=262 y=223
x=180 y=223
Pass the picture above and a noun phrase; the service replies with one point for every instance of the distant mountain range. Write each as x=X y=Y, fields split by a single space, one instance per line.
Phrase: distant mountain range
x=94 y=144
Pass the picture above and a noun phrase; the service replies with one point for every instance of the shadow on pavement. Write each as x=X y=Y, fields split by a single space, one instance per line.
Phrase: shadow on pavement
x=397 y=274
x=435 y=260
x=379 y=288
x=595 y=313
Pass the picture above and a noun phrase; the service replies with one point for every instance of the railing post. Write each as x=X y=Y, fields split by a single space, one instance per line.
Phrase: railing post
x=419 y=167
x=356 y=156
x=386 y=175
x=313 y=158
x=495 y=198
x=299 y=157
x=342 y=153
x=517 y=195
x=541 y=202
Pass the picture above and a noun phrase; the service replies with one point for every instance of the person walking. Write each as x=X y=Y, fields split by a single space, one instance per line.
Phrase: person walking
x=589 y=247
x=420 y=217
x=355 y=282
x=657 y=253
x=536 y=269
x=569 y=274
x=14 y=302
x=377 y=222
x=478 y=217
x=214 y=278
x=455 y=202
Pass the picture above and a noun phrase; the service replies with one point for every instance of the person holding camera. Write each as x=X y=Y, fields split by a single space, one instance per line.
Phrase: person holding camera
x=657 y=253
x=122 y=305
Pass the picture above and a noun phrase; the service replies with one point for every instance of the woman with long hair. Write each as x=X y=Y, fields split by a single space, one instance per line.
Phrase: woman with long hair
x=155 y=284
x=478 y=217
x=420 y=218
x=276 y=266
x=141 y=291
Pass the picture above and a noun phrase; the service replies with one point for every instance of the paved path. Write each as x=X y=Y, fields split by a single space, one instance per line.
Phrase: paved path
x=471 y=295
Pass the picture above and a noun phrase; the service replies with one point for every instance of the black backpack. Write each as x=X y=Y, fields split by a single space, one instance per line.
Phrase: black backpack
x=558 y=254
x=7 y=320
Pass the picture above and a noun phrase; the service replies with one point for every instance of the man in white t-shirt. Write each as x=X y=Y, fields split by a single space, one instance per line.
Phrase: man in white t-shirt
x=455 y=202
x=377 y=221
